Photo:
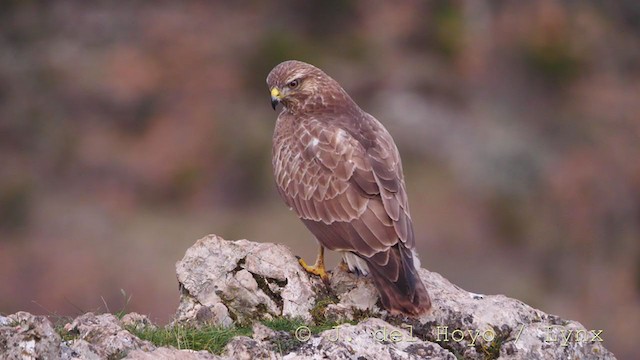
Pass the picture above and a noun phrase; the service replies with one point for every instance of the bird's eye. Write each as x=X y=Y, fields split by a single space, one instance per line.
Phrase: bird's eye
x=293 y=84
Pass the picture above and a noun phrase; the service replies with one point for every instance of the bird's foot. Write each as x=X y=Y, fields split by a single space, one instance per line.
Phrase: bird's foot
x=317 y=269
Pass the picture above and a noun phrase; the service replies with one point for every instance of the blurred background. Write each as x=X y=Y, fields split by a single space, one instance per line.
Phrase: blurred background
x=128 y=130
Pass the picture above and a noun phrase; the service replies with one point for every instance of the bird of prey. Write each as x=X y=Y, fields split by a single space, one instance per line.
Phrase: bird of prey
x=338 y=168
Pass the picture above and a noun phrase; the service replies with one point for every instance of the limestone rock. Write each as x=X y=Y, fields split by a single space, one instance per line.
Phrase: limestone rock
x=78 y=350
x=104 y=336
x=252 y=280
x=474 y=326
x=137 y=321
x=164 y=353
x=246 y=348
x=226 y=281
x=370 y=339
x=262 y=332
x=26 y=336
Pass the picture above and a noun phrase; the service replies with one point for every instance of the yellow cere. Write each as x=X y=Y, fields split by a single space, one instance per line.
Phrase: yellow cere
x=275 y=92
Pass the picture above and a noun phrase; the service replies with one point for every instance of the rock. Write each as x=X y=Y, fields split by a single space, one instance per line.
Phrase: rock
x=357 y=297
x=78 y=350
x=246 y=348
x=254 y=281
x=223 y=282
x=262 y=332
x=137 y=321
x=26 y=336
x=5 y=321
x=472 y=326
x=164 y=353
x=370 y=339
x=104 y=336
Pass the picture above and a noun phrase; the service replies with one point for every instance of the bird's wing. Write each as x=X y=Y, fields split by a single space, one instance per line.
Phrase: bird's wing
x=344 y=179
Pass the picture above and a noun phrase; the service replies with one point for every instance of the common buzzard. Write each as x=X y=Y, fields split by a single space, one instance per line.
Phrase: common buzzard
x=338 y=168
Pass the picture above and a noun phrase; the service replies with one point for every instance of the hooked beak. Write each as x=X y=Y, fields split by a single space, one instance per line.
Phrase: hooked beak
x=275 y=97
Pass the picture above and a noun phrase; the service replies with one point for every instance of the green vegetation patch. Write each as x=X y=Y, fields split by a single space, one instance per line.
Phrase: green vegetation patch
x=213 y=338
x=292 y=324
x=293 y=331
x=210 y=338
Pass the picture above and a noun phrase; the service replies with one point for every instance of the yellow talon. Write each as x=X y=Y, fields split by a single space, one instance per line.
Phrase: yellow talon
x=318 y=267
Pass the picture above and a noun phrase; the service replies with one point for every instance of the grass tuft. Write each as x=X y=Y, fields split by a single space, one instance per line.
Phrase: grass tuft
x=211 y=338
x=214 y=338
x=284 y=324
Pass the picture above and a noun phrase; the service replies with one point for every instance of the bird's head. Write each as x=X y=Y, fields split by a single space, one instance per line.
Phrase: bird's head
x=292 y=83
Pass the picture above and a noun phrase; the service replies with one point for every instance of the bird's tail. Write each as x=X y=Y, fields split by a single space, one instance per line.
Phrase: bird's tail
x=404 y=294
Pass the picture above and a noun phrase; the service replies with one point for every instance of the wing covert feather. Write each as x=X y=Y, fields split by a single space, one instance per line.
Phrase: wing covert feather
x=337 y=180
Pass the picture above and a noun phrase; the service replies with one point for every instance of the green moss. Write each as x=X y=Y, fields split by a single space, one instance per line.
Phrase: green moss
x=492 y=350
x=318 y=310
x=361 y=315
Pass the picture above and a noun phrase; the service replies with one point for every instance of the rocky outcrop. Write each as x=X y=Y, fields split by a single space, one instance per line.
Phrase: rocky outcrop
x=223 y=282
x=247 y=281
x=26 y=336
x=102 y=337
x=231 y=283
